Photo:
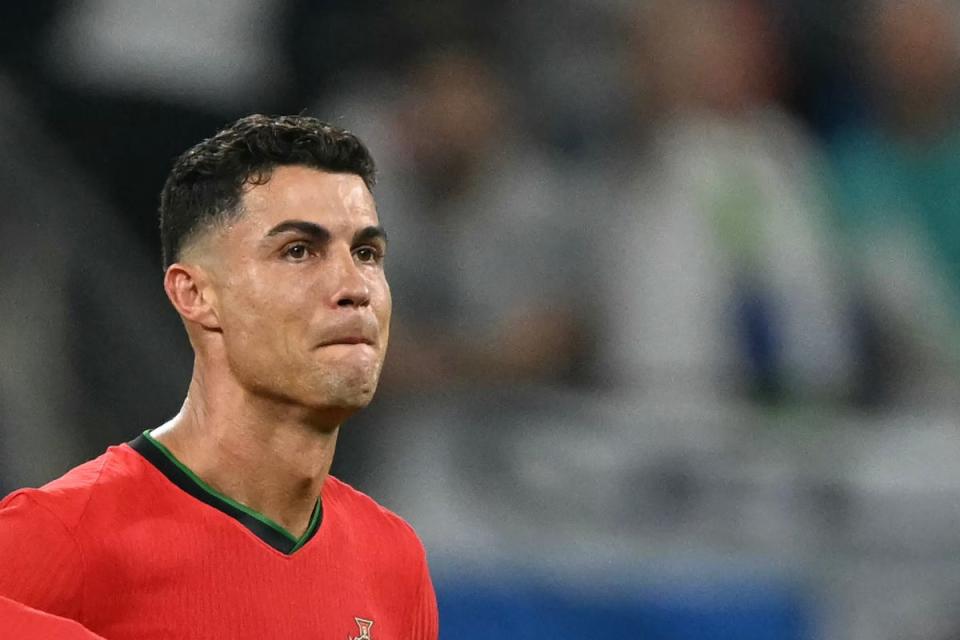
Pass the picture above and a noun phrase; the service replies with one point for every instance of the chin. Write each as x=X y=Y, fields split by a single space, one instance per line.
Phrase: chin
x=346 y=401
x=334 y=385
x=346 y=394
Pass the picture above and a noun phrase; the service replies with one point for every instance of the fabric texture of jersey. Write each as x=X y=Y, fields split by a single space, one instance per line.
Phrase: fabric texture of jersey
x=119 y=547
x=25 y=623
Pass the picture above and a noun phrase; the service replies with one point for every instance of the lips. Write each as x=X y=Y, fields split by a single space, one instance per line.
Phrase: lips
x=347 y=340
x=353 y=331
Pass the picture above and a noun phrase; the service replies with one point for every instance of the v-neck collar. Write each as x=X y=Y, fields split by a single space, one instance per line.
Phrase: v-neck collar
x=260 y=525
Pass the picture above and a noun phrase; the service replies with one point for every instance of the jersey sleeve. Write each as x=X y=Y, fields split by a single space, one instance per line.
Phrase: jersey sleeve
x=426 y=625
x=25 y=623
x=40 y=557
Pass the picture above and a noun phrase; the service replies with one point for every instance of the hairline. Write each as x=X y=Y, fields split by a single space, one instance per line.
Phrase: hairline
x=221 y=220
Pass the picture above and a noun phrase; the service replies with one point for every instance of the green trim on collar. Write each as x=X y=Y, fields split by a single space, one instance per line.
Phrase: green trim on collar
x=287 y=544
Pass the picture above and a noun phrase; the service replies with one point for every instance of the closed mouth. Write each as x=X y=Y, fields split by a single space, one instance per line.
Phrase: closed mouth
x=347 y=340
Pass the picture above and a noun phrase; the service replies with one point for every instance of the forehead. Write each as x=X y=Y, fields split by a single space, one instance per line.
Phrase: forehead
x=340 y=202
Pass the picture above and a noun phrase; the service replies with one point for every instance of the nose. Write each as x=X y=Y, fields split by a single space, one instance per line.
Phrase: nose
x=352 y=289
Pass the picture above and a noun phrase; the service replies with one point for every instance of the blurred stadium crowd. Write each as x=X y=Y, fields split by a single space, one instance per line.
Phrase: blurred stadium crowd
x=676 y=287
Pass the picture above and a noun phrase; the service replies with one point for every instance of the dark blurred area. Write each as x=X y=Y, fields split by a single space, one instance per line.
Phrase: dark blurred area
x=676 y=342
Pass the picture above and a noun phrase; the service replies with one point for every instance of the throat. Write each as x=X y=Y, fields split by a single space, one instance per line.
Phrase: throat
x=291 y=510
x=282 y=508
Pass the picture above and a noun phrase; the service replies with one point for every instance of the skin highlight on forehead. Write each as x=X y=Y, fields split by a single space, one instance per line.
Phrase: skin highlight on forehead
x=349 y=195
x=356 y=196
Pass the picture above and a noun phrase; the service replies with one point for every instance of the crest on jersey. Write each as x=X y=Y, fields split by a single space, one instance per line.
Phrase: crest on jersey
x=364 y=627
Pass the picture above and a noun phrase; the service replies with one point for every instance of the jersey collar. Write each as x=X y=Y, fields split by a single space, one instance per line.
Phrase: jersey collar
x=260 y=525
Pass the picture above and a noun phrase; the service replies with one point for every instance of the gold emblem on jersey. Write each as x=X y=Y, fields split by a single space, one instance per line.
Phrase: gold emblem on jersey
x=364 y=626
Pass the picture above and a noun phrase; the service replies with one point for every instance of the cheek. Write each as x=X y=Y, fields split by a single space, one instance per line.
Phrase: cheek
x=255 y=313
x=384 y=307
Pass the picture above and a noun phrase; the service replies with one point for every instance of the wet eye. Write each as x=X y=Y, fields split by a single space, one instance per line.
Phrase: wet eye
x=368 y=254
x=296 y=252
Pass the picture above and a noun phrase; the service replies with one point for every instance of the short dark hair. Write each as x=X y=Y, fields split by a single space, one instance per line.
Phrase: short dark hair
x=206 y=183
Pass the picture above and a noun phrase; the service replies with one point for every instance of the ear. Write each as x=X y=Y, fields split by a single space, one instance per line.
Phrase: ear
x=190 y=291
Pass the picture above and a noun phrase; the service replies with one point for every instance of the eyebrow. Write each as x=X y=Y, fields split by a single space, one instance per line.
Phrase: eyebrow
x=373 y=232
x=315 y=231
x=321 y=235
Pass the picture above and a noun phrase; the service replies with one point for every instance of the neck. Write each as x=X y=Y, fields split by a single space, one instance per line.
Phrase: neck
x=270 y=457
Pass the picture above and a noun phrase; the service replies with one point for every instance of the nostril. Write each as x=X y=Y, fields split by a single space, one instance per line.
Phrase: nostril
x=353 y=300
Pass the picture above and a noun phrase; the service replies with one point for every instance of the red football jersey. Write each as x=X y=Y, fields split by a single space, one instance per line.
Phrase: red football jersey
x=132 y=545
x=23 y=623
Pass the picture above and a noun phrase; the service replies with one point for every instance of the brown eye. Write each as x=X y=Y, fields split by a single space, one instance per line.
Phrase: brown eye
x=368 y=254
x=296 y=252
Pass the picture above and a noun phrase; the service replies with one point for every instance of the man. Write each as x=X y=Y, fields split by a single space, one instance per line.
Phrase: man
x=224 y=522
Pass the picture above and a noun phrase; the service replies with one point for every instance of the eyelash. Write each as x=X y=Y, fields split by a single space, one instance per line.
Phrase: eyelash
x=377 y=254
x=297 y=245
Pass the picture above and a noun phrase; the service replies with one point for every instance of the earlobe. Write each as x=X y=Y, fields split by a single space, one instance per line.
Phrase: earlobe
x=189 y=290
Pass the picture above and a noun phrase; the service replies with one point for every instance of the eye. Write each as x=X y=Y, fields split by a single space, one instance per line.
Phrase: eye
x=297 y=251
x=368 y=254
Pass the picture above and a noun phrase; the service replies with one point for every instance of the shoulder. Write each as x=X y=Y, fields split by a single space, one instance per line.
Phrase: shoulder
x=42 y=548
x=359 y=504
x=68 y=497
x=364 y=511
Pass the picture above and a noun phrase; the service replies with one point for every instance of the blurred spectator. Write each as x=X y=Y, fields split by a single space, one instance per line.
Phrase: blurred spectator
x=568 y=62
x=721 y=269
x=481 y=266
x=898 y=183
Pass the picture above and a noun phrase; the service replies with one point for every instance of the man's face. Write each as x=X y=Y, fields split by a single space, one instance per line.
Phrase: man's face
x=303 y=302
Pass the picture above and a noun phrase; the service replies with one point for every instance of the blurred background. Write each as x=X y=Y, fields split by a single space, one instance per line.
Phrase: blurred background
x=676 y=348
